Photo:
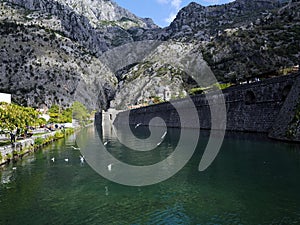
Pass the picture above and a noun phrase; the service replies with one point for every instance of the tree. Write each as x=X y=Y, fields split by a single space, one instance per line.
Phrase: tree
x=14 y=116
x=58 y=115
x=80 y=112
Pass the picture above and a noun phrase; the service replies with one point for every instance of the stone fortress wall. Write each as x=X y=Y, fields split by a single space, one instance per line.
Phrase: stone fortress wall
x=255 y=107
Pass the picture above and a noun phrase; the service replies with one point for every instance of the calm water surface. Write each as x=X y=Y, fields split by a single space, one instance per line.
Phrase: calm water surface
x=252 y=181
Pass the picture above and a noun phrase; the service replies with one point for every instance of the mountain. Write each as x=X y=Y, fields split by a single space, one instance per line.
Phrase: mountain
x=201 y=23
x=239 y=41
x=96 y=12
x=96 y=24
x=56 y=51
x=54 y=47
x=40 y=64
x=167 y=72
x=267 y=44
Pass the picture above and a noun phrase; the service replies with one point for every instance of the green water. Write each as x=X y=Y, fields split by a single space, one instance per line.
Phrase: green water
x=252 y=181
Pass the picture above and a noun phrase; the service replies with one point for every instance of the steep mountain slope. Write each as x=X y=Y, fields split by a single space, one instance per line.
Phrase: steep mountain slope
x=95 y=11
x=39 y=65
x=166 y=73
x=97 y=25
x=270 y=43
x=240 y=40
x=201 y=23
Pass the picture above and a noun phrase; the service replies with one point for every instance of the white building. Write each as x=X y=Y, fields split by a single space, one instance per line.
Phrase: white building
x=5 y=98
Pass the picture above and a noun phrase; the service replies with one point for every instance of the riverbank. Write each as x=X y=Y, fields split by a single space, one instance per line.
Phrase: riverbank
x=26 y=146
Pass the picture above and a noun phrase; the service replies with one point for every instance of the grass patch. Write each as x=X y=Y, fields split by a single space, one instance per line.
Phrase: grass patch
x=38 y=141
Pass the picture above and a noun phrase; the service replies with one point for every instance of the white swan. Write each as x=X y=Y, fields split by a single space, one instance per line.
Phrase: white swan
x=52 y=159
x=66 y=160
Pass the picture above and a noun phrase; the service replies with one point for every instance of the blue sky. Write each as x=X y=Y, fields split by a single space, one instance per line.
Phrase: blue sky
x=161 y=11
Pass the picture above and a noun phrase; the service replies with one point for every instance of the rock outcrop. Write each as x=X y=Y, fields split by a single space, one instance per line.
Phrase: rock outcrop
x=264 y=46
x=97 y=25
x=40 y=65
x=198 y=22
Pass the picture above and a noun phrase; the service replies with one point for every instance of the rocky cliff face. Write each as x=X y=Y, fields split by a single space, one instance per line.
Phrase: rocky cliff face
x=41 y=65
x=95 y=11
x=242 y=39
x=97 y=25
x=202 y=23
x=52 y=50
x=164 y=73
x=263 y=46
x=239 y=41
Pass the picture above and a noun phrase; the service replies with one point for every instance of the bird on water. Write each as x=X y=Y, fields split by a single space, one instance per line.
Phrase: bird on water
x=109 y=167
x=136 y=126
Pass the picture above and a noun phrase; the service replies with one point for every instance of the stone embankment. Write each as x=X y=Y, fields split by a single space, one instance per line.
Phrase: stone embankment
x=23 y=147
x=287 y=124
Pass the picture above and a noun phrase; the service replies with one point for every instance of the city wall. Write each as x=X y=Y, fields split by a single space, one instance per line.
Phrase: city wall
x=254 y=107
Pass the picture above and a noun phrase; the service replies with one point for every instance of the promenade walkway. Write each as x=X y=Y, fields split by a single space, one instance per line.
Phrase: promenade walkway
x=22 y=144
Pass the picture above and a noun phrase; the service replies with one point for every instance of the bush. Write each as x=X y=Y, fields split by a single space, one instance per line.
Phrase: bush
x=58 y=135
x=38 y=141
x=15 y=152
x=69 y=131
x=8 y=156
x=48 y=139
x=195 y=91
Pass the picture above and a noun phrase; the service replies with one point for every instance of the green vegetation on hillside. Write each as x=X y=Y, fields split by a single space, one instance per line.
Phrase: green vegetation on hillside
x=200 y=90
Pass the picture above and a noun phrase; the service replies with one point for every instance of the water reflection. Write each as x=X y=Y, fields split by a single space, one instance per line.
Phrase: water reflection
x=252 y=181
x=6 y=176
x=133 y=167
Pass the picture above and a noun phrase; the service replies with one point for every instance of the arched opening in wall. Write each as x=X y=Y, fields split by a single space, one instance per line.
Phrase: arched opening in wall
x=250 y=98
x=285 y=91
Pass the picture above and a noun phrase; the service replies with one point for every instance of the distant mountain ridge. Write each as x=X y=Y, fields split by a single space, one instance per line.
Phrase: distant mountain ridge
x=93 y=10
x=96 y=24
x=203 y=22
